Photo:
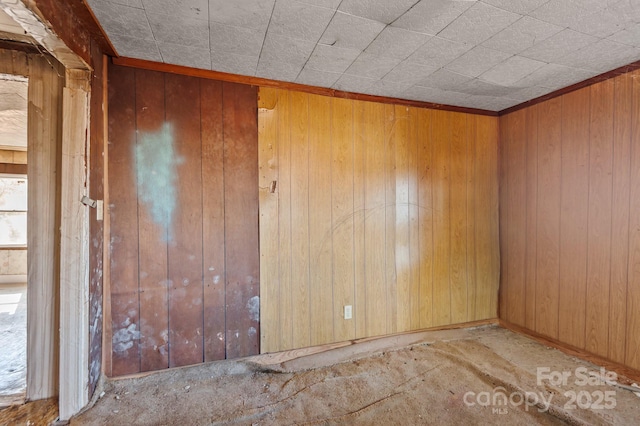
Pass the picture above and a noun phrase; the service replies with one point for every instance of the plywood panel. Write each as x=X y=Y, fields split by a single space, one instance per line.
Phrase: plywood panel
x=599 y=232
x=184 y=257
x=549 y=178
x=384 y=185
x=241 y=220
x=152 y=235
x=123 y=211
x=342 y=216
x=620 y=217
x=213 y=262
x=587 y=201
x=573 y=216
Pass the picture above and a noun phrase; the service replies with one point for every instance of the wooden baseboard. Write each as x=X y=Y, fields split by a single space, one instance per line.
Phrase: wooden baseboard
x=620 y=369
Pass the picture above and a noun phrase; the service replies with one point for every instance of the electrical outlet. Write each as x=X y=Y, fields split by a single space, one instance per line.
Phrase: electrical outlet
x=348 y=312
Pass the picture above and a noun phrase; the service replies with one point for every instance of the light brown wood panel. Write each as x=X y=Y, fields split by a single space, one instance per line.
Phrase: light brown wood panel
x=620 y=218
x=599 y=232
x=573 y=216
x=549 y=184
x=370 y=187
x=581 y=198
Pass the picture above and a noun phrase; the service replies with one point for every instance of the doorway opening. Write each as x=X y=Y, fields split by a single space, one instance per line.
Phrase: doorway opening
x=13 y=238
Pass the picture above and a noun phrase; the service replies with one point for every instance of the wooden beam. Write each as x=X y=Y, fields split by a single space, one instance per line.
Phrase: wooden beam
x=13 y=169
x=258 y=81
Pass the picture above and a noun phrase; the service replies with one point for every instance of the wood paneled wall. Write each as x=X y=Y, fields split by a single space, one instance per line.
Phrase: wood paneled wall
x=183 y=190
x=569 y=219
x=390 y=209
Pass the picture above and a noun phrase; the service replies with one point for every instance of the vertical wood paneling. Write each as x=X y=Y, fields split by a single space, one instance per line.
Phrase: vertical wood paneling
x=268 y=173
x=320 y=226
x=549 y=184
x=372 y=191
x=422 y=119
x=300 y=221
x=620 y=217
x=592 y=305
x=213 y=268
x=342 y=214
x=152 y=237
x=573 y=216
x=458 y=218
x=632 y=356
x=441 y=217
x=241 y=220
x=599 y=232
x=123 y=211
x=184 y=257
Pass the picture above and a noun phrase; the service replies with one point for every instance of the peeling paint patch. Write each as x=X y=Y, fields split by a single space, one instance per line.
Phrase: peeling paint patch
x=156 y=164
x=254 y=308
x=252 y=331
x=123 y=339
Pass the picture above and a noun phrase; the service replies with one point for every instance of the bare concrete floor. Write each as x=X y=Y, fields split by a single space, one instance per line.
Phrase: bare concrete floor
x=486 y=375
x=13 y=342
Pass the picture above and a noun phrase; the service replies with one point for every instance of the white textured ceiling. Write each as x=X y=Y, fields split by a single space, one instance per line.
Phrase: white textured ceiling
x=488 y=54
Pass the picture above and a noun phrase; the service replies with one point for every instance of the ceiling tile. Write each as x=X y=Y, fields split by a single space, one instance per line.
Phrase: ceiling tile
x=482 y=88
x=276 y=70
x=299 y=20
x=409 y=73
x=444 y=79
x=123 y=20
x=630 y=36
x=490 y=103
x=286 y=50
x=387 y=88
x=372 y=66
x=521 y=35
x=196 y=9
x=431 y=16
x=528 y=93
x=558 y=46
x=313 y=77
x=185 y=55
x=331 y=4
x=351 y=32
x=242 y=13
x=377 y=10
x=564 y=13
x=331 y=58
x=437 y=52
x=351 y=83
x=476 y=61
x=436 y=96
x=478 y=23
x=396 y=43
x=136 y=48
x=602 y=56
x=234 y=64
x=600 y=23
x=131 y=3
x=511 y=70
x=237 y=40
x=554 y=76
x=180 y=30
x=522 y=7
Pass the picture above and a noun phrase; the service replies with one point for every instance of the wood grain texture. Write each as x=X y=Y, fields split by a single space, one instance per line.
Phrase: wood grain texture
x=184 y=255
x=583 y=288
x=367 y=227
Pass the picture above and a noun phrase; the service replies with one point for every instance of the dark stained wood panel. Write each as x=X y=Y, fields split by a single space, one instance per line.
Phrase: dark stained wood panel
x=123 y=212
x=588 y=201
x=184 y=221
x=241 y=219
x=213 y=270
x=152 y=234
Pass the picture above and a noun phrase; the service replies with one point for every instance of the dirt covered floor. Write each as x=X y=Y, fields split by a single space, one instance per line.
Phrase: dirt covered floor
x=485 y=375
